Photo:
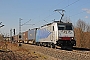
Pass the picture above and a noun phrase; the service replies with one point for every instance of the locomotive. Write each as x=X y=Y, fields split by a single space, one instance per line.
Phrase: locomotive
x=56 y=34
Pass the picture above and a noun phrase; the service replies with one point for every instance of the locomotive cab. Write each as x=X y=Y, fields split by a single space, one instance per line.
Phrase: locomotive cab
x=65 y=35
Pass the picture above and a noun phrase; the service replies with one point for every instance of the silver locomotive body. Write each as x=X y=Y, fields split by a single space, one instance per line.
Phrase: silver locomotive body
x=56 y=33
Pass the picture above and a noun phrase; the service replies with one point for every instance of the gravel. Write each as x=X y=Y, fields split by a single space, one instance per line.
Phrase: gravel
x=60 y=54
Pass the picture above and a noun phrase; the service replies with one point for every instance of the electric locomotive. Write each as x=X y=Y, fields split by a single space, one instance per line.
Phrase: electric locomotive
x=56 y=34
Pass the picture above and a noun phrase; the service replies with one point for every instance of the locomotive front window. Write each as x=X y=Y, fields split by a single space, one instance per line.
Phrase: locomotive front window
x=61 y=27
x=68 y=27
x=64 y=27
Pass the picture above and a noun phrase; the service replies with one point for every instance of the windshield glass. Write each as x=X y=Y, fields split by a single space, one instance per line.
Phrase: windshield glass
x=64 y=27
x=68 y=27
x=61 y=27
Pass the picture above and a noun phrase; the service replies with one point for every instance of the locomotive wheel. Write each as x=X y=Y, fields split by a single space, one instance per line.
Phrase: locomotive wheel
x=45 y=45
x=39 y=44
x=48 y=45
x=51 y=46
x=63 y=47
x=55 y=46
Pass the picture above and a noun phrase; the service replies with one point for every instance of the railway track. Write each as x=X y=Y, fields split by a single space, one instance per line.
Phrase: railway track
x=60 y=54
x=81 y=49
x=74 y=48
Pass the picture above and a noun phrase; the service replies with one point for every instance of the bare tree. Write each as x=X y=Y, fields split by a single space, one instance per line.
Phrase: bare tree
x=82 y=30
x=81 y=25
x=88 y=28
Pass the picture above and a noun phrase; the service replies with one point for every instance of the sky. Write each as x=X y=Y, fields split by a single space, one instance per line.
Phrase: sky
x=40 y=12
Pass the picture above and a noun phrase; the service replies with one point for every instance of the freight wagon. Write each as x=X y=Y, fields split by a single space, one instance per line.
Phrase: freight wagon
x=29 y=36
x=25 y=37
x=32 y=36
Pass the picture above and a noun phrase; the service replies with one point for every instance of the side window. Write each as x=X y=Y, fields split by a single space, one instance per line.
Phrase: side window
x=53 y=28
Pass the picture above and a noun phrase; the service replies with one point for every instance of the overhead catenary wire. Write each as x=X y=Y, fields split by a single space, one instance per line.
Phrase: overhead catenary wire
x=50 y=14
x=64 y=8
x=77 y=7
x=77 y=13
x=71 y=4
x=26 y=22
x=45 y=21
x=46 y=17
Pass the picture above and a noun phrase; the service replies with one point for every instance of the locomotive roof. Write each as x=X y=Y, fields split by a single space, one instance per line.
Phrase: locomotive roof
x=58 y=22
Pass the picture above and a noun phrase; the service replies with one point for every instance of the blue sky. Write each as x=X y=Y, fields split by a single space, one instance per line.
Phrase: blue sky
x=40 y=10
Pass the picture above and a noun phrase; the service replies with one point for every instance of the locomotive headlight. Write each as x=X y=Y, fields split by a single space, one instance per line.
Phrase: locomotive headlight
x=72 y=38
